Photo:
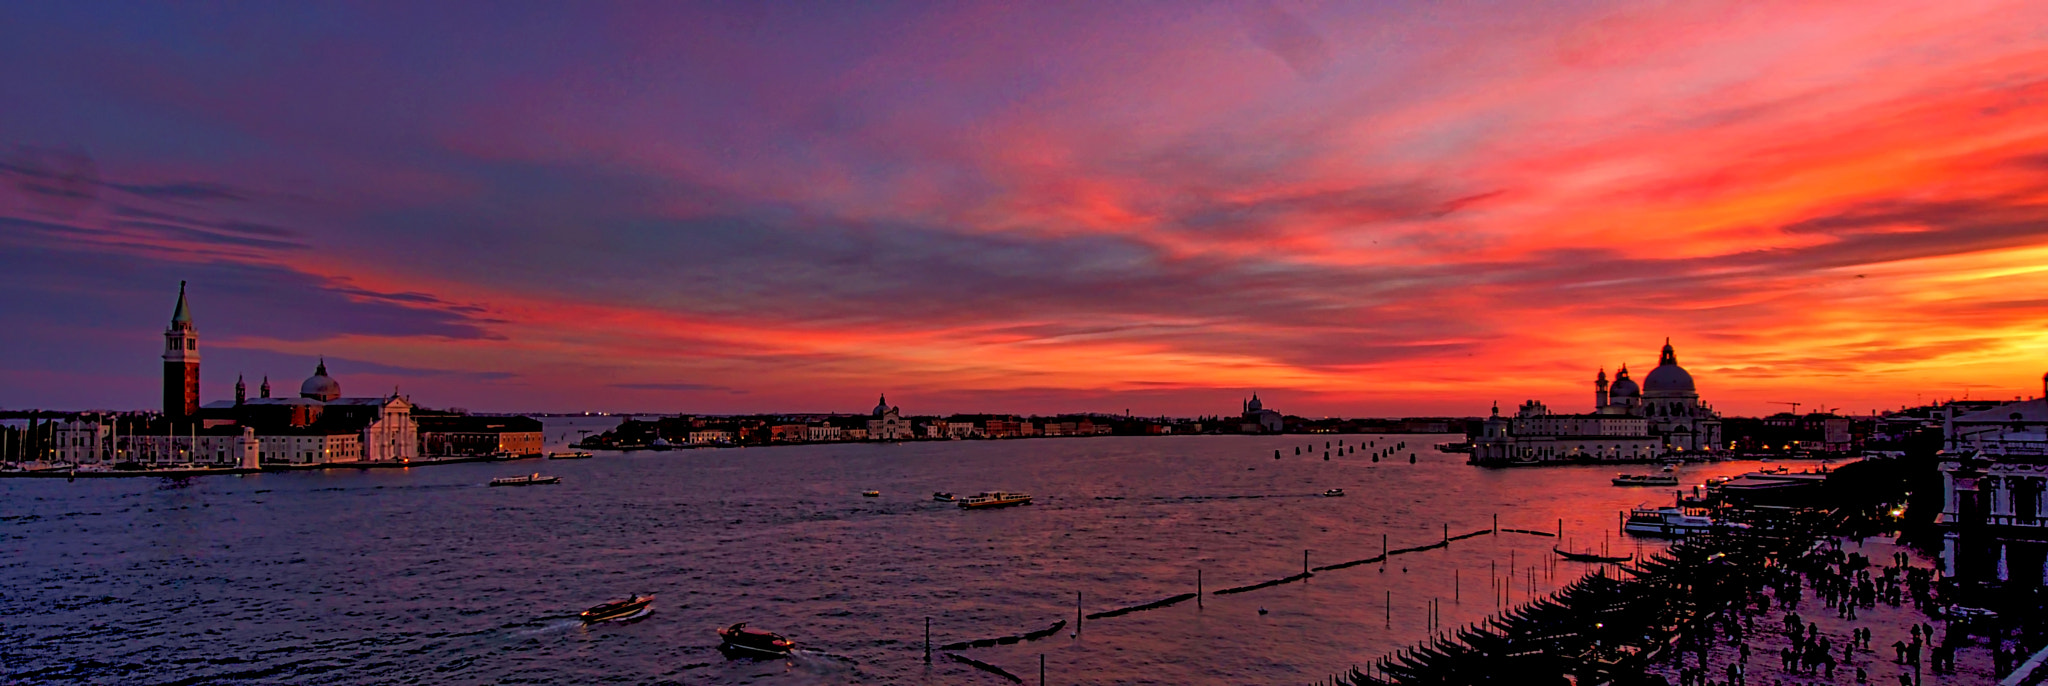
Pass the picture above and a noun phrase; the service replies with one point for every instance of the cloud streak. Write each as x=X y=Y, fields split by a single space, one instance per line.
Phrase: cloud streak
x=1391 y=208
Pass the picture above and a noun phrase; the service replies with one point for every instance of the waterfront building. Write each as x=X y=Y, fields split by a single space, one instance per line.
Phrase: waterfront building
x=1994 y=470
x=449 y=435
x=888 y=423
x=1661 y=417
x=710 y=437
x=1256 y=419
x=822 y=433
x=319 y=426
x=384 y=425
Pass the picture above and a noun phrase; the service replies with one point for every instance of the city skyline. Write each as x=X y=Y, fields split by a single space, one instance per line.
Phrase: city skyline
x=1352 y=210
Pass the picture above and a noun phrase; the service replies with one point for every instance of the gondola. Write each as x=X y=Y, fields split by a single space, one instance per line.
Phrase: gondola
x=630 y=608
x=739 y=638
x=1589 y=557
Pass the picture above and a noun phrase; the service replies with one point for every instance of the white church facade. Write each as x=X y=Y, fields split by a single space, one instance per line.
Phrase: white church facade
x=1661 y=418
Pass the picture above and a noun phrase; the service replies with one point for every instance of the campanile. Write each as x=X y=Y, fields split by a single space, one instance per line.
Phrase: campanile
x=181 y=363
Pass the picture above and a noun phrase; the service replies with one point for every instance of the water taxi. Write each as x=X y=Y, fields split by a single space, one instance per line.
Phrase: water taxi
x=571 y=455
x=989 y=499
x=1645 y=480
x=942 y=496
x=1669 y=521
x=742 y=639
x=534 y=479
x=631 y=608
x=1334 y=493
x=870 y=494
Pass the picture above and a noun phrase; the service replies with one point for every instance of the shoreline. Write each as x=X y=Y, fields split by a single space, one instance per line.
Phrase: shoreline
x=233 y=471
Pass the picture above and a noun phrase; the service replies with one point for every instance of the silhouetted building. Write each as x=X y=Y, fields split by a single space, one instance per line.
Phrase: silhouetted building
x=181 y=362
x=1994 y=470
x=1663 y=416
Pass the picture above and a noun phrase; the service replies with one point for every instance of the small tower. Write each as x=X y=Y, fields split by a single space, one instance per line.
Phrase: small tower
x=1667 y=358
x=266 y=385
x=181 y=363
x=1600 y=390
x=241 y=391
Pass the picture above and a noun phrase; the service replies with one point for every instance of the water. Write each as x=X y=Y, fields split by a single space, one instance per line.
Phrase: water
x=426 y=576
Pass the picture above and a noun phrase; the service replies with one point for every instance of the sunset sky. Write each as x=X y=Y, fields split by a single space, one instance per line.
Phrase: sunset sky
x=1353 y=208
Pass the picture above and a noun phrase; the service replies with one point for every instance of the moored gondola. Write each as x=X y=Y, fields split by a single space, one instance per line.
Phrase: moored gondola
x=1589 y=557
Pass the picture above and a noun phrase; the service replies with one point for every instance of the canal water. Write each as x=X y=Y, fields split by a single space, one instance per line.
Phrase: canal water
x=427 y=576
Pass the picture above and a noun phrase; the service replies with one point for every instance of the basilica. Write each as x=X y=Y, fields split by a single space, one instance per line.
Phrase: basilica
x=1660 y=418
x=317 y=427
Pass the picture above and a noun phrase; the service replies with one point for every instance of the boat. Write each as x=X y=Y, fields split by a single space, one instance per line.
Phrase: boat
x=571 y=455
x=740 y=638
x=1645 y=480
x=631 y=608
x=1670 y=521
x=1334 y=493
x=942 y=496
x=534 y=479
x=870 y=494
x=987 y=499
x=1589 y=557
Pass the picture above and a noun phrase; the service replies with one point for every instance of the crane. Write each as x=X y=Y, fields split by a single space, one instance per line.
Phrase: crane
x=1795 y=406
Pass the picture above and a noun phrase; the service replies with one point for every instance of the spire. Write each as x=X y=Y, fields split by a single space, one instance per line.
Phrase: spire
x=241 y=390
x=266 y=385
x=1602 y=378
x=322 y=369
x=182 y=315
x=1668 y=357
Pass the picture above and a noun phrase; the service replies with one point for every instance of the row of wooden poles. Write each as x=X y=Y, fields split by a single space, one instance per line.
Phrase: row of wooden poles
x=1600 y=626
x=1502 y=593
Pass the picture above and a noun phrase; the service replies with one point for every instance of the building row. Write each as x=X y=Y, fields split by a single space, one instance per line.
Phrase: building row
x=318 y=426
x=1663 y=417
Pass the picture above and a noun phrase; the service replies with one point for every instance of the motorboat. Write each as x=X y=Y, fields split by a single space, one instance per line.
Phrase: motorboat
x=1645 y=480
x=571 y=455
x=534 y=479
x=634 y=607
x=989 y=499
x=1589 y=557
x=1670 y=521
x=942 y=496
x=870 y=494
x=742 y=639
x=1334 y=493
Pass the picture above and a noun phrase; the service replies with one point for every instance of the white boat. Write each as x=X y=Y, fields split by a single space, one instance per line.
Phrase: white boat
x=531 y=480
x=989 y=499
x=1669 y=521
x=1645 y=480
x=1334 y=493
x=571 y=455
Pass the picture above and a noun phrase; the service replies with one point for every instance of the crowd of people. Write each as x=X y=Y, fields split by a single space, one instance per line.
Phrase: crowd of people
x=1847 y=584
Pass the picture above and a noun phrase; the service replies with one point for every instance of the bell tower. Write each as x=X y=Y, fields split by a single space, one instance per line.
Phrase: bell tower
x=181 y=363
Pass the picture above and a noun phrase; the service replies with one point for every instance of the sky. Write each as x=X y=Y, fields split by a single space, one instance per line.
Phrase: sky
x=1350 y=208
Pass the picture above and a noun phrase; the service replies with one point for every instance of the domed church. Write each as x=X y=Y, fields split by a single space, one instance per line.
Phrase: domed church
x=1666 y=398
x=1662 y=417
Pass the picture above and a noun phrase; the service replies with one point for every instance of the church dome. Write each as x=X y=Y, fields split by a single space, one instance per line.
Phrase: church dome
x=1623 y=387
x=882 y=405
x=1668 y=377
x=1254 y=405
x=320 y=386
